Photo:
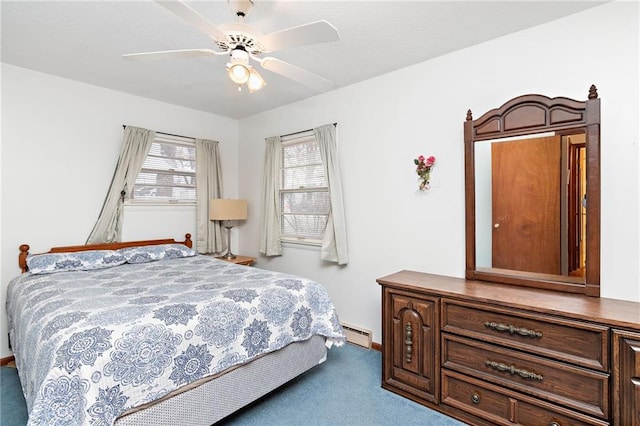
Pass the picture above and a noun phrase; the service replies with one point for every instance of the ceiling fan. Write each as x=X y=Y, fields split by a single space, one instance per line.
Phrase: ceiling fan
x=242 y=42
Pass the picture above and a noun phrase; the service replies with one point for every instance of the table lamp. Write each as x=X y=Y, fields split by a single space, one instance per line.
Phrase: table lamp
x=227 y=211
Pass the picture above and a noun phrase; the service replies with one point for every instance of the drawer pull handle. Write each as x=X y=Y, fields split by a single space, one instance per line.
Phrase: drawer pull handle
x=512 y=329
x=408 y=342
x=554 y=424
x=475 y=398
x=513 y=370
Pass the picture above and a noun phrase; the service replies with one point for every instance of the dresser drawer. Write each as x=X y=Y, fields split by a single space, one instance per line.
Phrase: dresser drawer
x=575 y=387
x=503 y=407
x=561 y=339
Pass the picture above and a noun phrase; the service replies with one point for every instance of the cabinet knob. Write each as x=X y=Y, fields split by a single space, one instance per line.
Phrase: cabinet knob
x=554 y=424
x=496 y=225
x=475 y=398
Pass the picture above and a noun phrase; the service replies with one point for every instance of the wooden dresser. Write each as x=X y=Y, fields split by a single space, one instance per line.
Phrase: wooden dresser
x=495 y=354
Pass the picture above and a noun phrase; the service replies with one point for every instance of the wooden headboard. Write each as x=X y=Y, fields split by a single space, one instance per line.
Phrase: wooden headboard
x=24 y=248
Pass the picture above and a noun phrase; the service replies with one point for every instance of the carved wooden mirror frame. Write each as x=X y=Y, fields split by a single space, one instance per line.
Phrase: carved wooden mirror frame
x=531 y=114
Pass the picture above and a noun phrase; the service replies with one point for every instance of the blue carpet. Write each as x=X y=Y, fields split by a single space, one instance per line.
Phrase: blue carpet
x=345 y=390
x=13 y=410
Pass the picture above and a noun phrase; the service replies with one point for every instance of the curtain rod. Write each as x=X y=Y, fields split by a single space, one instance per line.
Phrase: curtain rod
x=301 y=131
x=168 y=134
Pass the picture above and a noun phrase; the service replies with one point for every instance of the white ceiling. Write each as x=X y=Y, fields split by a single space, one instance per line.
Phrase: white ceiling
x=84 y=41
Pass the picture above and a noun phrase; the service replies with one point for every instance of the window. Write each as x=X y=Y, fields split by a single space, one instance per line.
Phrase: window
x=169 y=171
x=304 y=194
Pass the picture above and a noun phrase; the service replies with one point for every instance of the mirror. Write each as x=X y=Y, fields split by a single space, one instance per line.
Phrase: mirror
x=532 y=184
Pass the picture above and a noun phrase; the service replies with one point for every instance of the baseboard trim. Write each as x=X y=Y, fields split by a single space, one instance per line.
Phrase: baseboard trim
x=376 y=346
x=7 y=360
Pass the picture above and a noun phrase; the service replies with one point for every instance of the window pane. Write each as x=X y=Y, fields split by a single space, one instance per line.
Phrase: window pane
x=172 y=150
x=165 y=178
x=303 y=226
x=301 y=154
x=306 y=202
x=168 y=172
x=157 y=192
x=304 y=214
x=304 y=194
x=311 y=176
x=166 y=156
x=160 y=163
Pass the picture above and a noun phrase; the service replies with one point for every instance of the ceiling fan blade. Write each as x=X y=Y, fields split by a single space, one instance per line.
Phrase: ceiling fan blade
x=165 y=54
x=297 y=74
x=194 y=18
x=302 y=35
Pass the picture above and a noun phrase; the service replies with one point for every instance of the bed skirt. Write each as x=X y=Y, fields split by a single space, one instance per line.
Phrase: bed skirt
x=215 y=399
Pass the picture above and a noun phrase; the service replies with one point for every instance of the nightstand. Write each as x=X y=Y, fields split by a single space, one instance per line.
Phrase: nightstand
x=240 y=260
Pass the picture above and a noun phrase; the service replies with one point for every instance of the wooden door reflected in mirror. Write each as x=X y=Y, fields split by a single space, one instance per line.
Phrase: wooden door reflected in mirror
x=532 y=181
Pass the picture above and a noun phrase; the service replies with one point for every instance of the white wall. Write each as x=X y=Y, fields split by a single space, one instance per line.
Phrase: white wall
x=386 y=122
x=60 y=143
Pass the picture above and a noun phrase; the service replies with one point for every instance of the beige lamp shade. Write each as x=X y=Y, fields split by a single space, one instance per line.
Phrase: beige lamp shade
x=225 y=209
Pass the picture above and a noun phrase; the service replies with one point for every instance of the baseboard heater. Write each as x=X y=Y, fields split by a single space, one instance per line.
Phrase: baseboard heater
x=357 y=336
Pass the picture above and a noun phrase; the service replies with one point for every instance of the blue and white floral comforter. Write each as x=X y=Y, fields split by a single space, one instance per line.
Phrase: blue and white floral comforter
x=90 y=345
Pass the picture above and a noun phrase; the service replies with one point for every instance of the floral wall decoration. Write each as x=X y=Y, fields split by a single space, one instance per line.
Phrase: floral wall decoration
x=423 y=169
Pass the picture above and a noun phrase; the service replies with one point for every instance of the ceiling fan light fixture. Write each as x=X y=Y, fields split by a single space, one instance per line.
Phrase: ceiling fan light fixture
x=238 y=73
x=255 y=82
x=239 y=67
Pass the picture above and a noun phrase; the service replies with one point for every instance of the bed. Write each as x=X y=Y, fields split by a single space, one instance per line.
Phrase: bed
x=152 y=333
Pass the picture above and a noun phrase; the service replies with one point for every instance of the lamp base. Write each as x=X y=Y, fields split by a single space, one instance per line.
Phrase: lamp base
x=227 y=256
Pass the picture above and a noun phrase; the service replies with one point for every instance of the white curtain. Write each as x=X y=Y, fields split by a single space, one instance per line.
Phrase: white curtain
x=334 y=242
x=270 y=244
x=135 y=146
x=208 y=185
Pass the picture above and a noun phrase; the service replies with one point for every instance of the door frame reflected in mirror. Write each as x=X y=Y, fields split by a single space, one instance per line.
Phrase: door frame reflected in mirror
x=536 y=114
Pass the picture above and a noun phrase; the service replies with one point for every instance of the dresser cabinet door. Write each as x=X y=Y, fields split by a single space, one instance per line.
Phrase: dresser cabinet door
x=626 y=378
x=411 y=361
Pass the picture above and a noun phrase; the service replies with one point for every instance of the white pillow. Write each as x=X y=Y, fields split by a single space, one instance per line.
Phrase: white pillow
x=47 y=263
x=144 y=254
